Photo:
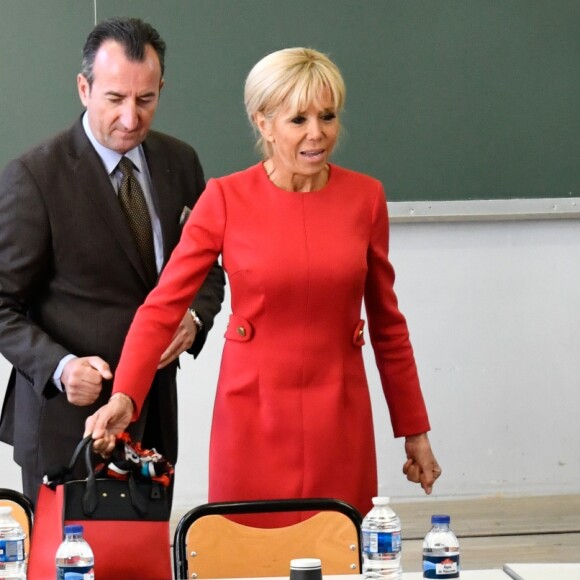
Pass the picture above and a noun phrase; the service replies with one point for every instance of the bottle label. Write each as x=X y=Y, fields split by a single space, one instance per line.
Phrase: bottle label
x=12 y=550
x=86 y=571
x=441 y=566
x=381 y=542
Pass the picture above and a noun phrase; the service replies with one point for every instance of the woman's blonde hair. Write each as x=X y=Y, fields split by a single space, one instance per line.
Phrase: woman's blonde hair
x=292 y=77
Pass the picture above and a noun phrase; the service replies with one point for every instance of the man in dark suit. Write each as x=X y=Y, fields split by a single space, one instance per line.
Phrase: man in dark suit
x=73 y=264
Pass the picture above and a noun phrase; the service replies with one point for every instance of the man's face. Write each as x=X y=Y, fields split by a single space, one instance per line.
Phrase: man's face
x=124 y=96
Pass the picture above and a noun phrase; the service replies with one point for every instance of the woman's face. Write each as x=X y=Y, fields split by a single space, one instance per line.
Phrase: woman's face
x=301 y=141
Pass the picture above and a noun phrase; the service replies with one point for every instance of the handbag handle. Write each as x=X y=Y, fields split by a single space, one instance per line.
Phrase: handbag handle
x=90 y=497
x=79 y=448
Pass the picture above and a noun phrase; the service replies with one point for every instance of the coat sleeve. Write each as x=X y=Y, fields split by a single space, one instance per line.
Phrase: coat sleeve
x=25 y=268
x=157 y=319
x=389 y=333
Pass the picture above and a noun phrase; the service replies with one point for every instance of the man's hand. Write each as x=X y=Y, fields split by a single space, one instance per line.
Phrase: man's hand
x=182 y=340
x=110 y=420
x=421 y=465
x=82 y=379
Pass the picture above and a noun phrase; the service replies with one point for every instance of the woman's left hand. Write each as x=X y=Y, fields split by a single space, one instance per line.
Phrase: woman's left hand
x=421 y=465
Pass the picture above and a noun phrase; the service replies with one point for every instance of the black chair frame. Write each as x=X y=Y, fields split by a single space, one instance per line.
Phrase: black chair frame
x=21 y=500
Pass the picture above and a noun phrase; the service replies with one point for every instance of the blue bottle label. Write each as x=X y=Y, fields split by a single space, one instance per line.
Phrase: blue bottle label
x=381 y=542
x=11 y=550
x=86 y=571
x=441 y=566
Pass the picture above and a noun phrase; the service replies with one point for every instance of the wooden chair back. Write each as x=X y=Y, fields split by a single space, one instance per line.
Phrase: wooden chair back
x=209 y=545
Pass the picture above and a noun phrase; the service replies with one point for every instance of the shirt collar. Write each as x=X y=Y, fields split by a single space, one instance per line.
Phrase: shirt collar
x=111 y=158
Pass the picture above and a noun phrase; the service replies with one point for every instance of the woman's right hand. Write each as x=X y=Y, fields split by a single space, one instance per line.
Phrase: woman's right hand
x=421 y=465
x=111 y=419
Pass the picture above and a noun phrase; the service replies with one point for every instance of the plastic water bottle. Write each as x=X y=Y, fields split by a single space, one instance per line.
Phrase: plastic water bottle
x=74 y=555
x=12 y=556
x=381 y=531
x=440 y=550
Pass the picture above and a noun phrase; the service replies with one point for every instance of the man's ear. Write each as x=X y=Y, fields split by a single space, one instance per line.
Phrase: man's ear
x=83 y=88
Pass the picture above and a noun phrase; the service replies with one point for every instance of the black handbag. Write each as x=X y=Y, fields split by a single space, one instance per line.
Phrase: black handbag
x=113 y=499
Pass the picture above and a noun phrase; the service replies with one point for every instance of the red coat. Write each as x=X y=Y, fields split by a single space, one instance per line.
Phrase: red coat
x=292 y=415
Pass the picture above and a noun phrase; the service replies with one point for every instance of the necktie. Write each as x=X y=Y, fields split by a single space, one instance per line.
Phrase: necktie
x=135 y=209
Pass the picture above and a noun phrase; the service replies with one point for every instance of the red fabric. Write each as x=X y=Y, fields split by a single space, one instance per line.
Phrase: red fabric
x=47 y=534
x=292 y=415
x=128 y=550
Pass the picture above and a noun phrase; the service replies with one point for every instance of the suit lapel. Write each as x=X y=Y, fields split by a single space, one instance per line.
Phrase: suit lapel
x=93 y=179
x=164 y=192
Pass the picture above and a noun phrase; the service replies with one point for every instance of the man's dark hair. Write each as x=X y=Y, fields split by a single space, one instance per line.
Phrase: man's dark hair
x=132 y=33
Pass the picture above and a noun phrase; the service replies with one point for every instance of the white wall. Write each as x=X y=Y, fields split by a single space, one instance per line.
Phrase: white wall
x=494 y=316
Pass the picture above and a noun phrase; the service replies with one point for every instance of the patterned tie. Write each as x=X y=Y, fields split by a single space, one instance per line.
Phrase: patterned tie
x=135 y=209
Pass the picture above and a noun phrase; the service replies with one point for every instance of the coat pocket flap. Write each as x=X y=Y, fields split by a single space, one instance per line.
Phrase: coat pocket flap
x=239 y=329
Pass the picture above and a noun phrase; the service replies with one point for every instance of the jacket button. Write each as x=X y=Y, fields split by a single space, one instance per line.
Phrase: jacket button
x=241 y=331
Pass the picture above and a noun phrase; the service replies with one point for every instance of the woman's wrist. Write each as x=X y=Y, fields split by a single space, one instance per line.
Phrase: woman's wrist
x=123 y=397
x=416 y=436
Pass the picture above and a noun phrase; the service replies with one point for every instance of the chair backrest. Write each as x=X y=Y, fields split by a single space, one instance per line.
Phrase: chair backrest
x=22 y=511
x=209 y=545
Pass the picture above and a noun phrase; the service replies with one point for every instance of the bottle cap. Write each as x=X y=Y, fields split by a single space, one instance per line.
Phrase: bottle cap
x=73 y=529
x=440 y=519
x=305 y=563
x=381 y=500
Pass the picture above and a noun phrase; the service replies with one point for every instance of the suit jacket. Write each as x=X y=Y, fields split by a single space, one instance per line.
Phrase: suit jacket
x=71 y=280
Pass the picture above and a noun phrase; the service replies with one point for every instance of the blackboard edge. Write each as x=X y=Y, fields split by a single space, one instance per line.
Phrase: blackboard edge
x=484 y=210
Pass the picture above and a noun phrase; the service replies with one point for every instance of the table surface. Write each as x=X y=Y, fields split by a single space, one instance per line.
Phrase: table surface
x=464 y=575
x=542 y=571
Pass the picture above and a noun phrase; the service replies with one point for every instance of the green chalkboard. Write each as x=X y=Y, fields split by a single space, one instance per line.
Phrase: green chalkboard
x=447 y=99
